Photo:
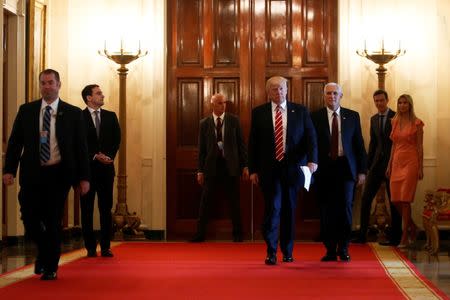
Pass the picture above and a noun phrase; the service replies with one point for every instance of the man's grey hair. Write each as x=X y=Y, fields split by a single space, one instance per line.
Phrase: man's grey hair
x=333 y=84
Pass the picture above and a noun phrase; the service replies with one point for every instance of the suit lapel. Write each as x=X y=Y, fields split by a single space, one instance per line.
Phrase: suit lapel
x=59 y=121
x=35 y=120
x=291 y=125
x=227 y=128
x=88 y=117
x=211 y=129
x=103 y=121
x=344 y=123
x=388 y=125
x=268 y=116
x=327 y=129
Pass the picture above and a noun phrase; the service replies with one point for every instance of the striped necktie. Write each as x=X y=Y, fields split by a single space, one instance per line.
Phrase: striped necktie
x=45 y=136
x=279 y=147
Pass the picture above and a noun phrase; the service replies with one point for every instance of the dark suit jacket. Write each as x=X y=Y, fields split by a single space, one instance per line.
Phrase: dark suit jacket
x=352 y=140
x=109 y=140
x=23 y=144
x=301 y=142
x=380 y=145
x=235 y=152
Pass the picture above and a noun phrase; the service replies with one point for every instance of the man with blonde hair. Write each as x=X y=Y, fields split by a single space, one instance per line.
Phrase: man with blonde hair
x=282 y=139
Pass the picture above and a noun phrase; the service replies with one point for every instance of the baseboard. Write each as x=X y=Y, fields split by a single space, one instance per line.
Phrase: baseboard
x=154 y=235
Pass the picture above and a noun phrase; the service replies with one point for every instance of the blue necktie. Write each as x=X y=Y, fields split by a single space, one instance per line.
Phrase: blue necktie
x=45 y=139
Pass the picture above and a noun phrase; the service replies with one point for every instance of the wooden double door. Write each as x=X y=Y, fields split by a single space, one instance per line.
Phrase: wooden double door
x=232 y=47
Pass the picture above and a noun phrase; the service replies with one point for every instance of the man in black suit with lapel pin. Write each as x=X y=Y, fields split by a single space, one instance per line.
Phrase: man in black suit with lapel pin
x=342 y=163
x=377 y=161
x=48 y=140
x=103 y=140
x=282 y=139
x=222 y=158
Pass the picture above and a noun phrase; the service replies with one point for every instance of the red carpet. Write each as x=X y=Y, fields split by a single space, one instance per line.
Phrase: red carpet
x=215 y=271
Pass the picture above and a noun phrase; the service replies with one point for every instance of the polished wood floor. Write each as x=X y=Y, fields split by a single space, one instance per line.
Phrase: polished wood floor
x=434 y=268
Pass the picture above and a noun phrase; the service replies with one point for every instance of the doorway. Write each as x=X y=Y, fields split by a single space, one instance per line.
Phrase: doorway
x=233 y=47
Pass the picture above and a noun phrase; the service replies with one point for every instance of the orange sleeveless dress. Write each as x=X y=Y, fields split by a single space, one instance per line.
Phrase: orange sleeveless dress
x=405 y=161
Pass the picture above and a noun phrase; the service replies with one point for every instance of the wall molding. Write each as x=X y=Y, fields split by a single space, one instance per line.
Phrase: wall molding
x=430 y=162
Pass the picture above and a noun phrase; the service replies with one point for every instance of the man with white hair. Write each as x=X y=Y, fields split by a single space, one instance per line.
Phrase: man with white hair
x=222 y=157
x=342 y=163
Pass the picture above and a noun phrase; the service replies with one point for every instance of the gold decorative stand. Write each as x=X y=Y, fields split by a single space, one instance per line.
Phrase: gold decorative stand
x=381 y=57
x=123 y=221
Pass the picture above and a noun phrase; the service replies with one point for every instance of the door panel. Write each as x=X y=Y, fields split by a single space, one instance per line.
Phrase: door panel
x=233 y=47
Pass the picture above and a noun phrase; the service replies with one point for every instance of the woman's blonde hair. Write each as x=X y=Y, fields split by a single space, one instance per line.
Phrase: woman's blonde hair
x=409 y=99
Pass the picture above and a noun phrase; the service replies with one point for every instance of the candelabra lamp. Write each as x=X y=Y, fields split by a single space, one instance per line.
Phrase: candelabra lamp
x=381 y=220
x=124 y=222
x=381 y=57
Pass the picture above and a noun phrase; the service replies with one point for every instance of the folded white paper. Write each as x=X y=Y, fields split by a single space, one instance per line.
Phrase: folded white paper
x=307 y=172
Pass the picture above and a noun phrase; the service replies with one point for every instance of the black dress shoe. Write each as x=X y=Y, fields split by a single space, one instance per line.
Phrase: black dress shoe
x=288 y=259
x=49 y=276
x=38 y=268
x=92 y=253
x=271 y=260
x=344 y=257
x=197 y=239
x=329 y=257
x=107 y=253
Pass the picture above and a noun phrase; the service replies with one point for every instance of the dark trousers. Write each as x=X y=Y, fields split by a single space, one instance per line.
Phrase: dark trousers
x=42 y=207
x=280 y=200
x=102 y=185
x=373 y=182
x=231 y=188
x=336 y=190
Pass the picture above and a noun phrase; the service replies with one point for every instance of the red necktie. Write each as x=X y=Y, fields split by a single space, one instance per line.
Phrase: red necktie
x=334 y=137
x=279 y=147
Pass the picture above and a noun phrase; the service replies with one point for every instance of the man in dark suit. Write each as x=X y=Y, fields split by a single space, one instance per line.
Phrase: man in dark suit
x=342 y=163
x=282 y=139
x=377 y=161
x=48 y=140
x=103 y=140
x=222 y=157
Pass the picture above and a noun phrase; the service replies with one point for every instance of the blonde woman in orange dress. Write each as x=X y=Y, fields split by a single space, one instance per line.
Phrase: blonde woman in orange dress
x=405 y=166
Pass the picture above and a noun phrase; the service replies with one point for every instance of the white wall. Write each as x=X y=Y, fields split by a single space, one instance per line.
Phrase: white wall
x=423 y=72
x=79 y=35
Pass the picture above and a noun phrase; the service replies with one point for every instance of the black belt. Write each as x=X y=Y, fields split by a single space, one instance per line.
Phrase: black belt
x=52 y=166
